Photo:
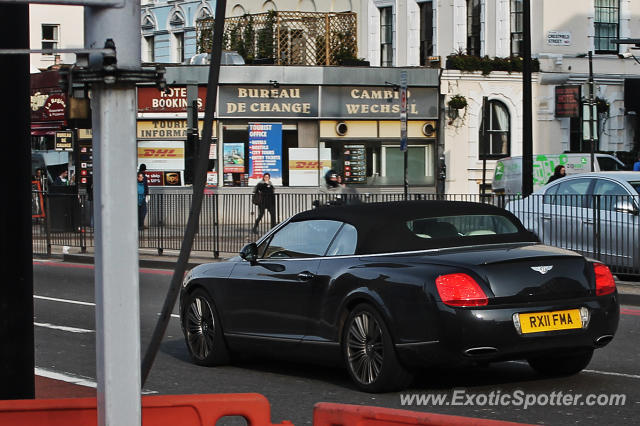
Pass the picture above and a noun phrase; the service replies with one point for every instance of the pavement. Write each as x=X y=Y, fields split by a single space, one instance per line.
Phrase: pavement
x=629 y=291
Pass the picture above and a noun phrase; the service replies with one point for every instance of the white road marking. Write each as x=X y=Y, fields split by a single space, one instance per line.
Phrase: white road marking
x=612 y=373
x=76 y=380
x=172 y=315
x=54 y=299
x=62 y=328
x=604 y=373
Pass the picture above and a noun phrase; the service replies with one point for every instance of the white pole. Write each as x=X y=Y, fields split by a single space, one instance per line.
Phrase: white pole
x=116 y=272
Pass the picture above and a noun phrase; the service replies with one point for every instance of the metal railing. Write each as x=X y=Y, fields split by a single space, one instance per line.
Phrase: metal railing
x=602 y=227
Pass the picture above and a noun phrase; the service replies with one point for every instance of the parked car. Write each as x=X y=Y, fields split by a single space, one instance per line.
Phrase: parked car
x=386 y=288
x=507 y=176
x=595 y=214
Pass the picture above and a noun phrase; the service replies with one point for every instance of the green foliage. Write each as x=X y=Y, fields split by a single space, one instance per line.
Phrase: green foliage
x=457 y=102
x=602 y=105
x=265 y=41
x=469 y=63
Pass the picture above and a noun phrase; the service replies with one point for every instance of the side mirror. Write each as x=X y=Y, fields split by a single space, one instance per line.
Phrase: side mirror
x=625 y=207
x=250 y=253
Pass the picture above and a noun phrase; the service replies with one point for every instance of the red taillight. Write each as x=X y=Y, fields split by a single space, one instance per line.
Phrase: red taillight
x=460 y=290
x=605 y=283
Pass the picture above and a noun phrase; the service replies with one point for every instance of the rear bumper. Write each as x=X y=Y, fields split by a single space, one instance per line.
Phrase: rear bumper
x=480 y=335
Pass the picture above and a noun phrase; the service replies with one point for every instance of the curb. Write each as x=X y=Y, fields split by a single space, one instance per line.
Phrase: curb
x=629 y=299
x=144 y=263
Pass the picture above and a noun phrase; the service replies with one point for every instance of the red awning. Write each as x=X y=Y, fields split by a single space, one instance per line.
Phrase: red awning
x=46 y=128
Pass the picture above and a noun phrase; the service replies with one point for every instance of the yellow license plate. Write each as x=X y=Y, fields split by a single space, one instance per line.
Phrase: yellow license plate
x=550 y=321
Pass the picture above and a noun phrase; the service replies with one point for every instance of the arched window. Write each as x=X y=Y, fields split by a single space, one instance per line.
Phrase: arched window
x=497 y=143
x=473 y=27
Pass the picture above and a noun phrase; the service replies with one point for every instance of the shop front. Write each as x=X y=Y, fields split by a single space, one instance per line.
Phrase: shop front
x=296 y=131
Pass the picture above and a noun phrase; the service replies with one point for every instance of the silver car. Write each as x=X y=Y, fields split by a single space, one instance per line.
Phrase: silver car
x=595 y=214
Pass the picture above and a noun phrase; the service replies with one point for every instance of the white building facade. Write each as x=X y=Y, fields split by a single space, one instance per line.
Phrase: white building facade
x=408 y=33
x=54 y=27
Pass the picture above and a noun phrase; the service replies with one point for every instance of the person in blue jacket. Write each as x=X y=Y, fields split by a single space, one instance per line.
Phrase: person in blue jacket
x=143 y=191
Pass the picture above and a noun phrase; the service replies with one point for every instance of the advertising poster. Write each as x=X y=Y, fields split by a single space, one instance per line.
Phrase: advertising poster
x=265 y=152
x=233 y=157
x=355 y=164
x=173 y=178
x=161 y=155
x=303 y=167
x=154 y=178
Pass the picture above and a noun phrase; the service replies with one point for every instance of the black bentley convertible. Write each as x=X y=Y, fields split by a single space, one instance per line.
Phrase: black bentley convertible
x=387 y=288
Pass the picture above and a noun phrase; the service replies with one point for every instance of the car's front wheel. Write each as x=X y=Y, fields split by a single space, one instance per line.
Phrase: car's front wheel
x=561 y=365
x=369 y=353
x=202 y=330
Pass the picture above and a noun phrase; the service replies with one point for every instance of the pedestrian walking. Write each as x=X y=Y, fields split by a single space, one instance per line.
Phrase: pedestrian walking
x=558 y=172
x=142 y=200
x=62 y=179
x=636 y=165
x=264 y=197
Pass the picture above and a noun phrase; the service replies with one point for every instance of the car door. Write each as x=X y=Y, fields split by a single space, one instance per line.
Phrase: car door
x=273 y=295
x=616 y=227
x=569 y=220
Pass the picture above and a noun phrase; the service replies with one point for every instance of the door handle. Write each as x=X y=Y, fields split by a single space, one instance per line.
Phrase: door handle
x=306 y=276
x=587 y=221
x=546 y=217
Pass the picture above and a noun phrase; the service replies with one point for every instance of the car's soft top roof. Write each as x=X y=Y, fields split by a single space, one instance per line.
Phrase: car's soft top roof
x=382 y=226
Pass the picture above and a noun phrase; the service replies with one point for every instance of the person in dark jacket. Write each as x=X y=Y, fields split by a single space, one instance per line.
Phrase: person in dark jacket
x=143 y=192
x=558 y=172
x=264 y=197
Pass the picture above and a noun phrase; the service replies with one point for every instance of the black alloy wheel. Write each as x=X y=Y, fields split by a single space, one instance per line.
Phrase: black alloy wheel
x=202 y=331
x=561 y=365
x=369 y=353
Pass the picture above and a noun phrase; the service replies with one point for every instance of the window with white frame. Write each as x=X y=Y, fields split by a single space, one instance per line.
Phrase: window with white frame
x=386 y=36
x=473 y=27
x=426 y=31
x=151 y=48
x=179 y=37
x=497 y=143
x=607 y=25
x=50 y=36
x=517 y=24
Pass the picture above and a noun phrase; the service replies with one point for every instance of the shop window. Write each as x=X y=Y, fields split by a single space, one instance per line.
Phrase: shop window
x=606 y=22
x=386 y=36
x=50 y=36
x=517 y=24
x=498 y=139
x=237 y=158
x=426 y=31
x=473 y=27
x=380 y=163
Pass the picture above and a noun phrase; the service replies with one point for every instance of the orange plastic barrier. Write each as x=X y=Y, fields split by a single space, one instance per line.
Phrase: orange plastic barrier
x=157 y=410
x=328 y=414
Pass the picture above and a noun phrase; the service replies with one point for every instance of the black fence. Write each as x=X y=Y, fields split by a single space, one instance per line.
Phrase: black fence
x=603 y=227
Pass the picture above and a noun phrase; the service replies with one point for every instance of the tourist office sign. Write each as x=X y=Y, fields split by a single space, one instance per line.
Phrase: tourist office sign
x=268 y=102
x=345 y=102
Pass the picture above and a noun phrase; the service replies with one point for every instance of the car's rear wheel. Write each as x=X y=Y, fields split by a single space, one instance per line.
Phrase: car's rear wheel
x=202 y=330
x=561 y=365
x=369 y=354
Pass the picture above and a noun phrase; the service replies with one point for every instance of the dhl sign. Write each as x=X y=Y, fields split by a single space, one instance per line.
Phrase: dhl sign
x=308 y=164
x=173 y=153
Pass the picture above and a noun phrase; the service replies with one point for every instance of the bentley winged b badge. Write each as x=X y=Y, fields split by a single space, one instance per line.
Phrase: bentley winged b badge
x=542 y=269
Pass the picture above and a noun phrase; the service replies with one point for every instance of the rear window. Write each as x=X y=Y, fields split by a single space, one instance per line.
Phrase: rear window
x=461 y=226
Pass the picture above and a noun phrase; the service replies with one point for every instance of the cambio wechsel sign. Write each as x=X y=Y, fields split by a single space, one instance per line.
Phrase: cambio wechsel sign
x=377 y=102
x=174 y=99
x=267 y=101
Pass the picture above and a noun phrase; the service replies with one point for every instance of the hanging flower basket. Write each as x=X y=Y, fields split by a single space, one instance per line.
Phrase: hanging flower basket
x=457 y=102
